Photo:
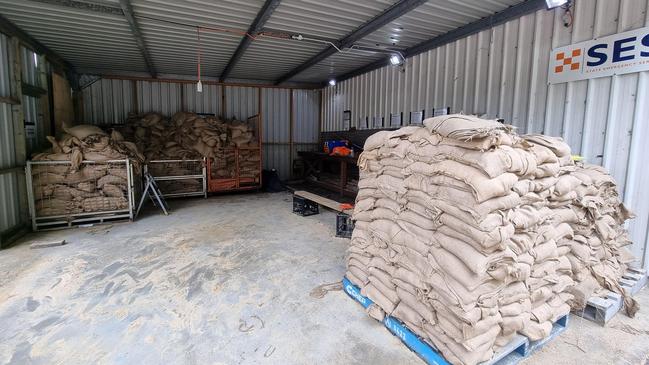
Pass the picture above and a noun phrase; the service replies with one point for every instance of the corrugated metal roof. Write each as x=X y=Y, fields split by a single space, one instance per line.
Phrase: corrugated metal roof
x=173 y=46
x=270 y=58
x=338 y=64
x=85 y=39
x=331 y=19
x=433 y=18
x=104 y=42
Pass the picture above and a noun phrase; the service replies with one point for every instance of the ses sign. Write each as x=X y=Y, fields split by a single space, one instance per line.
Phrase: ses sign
x=613 y=55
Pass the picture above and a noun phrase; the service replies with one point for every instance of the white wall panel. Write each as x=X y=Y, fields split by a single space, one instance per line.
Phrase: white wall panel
x=502 y=72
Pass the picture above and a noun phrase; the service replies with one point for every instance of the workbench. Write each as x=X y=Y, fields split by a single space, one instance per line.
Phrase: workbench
x=314 y=164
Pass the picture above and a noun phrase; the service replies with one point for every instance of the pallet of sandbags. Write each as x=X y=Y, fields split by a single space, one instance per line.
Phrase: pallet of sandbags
x=601 y=309
x=179 y=178
x=471 y=234
x=62 y=195
x=517 y=349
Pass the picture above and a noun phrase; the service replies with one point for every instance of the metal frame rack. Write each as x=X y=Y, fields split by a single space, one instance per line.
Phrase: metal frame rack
x=58 y=221
x=237 y=182
x=196 y=170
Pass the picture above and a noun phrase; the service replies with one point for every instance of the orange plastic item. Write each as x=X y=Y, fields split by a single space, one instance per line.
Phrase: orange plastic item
x=341 y=151
x=346 y=206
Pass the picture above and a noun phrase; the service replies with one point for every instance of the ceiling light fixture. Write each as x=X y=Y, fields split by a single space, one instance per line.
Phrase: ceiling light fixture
x=555 y=3
x=332 y=82
x=396 y=59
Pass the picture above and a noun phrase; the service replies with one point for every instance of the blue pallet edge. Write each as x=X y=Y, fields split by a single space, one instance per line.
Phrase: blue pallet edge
x=512 y=353
x=517 y=349
x=557 y=328
x=419 y=347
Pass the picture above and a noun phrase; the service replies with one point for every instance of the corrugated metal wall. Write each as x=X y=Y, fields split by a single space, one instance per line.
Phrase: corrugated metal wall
x=9 y=190
x=306 y=121
x=502 y=72
x=241 y=102
x=109 y=101
x=276 y=125
x=162 y=97
x=30 y=67
x=208 y=101
x=34 y=129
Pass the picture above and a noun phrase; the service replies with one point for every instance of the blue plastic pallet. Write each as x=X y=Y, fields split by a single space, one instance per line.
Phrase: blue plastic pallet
x=422 y=349
x=517 y=349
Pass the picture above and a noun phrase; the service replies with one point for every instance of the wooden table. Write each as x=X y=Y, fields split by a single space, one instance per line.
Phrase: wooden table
x=313 y=162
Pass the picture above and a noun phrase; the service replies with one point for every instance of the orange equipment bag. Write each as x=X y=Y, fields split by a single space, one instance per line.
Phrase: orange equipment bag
x=341 y=151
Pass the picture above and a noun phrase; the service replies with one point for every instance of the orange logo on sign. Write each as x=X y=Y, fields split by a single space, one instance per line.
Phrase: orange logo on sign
x=567 y=61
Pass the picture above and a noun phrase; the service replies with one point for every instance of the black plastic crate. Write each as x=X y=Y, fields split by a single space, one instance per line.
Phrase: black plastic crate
x=304 y=207
x=344 y=225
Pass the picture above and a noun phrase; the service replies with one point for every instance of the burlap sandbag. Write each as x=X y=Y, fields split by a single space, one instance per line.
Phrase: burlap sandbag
x=465 y=127
x=82 y=131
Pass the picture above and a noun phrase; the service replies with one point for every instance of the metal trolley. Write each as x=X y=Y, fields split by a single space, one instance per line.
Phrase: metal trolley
x=179 y=178
x=49 y=212
x=237 y=168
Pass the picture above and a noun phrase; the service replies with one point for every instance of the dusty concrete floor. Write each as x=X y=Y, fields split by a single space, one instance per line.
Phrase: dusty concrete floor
x=221 y=281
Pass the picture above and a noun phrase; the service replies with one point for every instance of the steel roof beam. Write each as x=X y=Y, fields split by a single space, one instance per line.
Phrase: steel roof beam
x=139 y=39
x=255 y=27
x=510 y=13
x=387 y=16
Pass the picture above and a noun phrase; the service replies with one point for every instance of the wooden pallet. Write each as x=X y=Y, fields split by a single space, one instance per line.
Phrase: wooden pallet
x=519 y=348
x=602 y=310
x=47 y=224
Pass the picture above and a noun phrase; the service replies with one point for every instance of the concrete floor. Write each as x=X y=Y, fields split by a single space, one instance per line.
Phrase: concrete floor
x=221 y=281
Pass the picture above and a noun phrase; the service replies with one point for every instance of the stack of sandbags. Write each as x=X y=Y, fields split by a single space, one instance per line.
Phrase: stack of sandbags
x=540 y=232
x=598 y=256
x=190 y=136
x=74 y=188
x=588 y=220
x=456 y=233
x=186 y=135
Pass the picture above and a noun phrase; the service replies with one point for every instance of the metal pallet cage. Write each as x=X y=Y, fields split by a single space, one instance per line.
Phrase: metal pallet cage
x=97 y=192
x=237 y=168
x=179 y=178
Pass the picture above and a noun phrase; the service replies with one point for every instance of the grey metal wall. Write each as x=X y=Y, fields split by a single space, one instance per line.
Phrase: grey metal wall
x=306 y=121
x=276 y=119
x=109 y=101
x=29 y=67
x=208 y=101
x=162 y=97
x=9 y=190
x=241 y=102
x=502 y=72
